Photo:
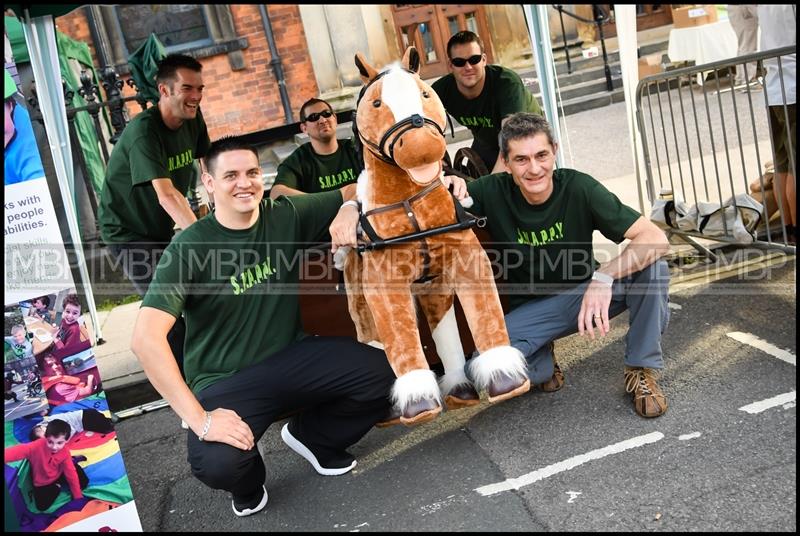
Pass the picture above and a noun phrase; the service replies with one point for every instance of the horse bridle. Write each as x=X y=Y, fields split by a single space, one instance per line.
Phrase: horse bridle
x=400 y=128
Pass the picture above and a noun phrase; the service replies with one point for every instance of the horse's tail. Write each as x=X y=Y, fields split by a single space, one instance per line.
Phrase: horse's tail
x=356 y=302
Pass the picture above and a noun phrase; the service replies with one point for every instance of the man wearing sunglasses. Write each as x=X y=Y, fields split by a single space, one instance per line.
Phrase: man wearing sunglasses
x=481 y=96
x=325 y=163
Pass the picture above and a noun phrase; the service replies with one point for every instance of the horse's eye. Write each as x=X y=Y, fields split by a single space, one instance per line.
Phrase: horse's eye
x=425 y=94
x=376 y=103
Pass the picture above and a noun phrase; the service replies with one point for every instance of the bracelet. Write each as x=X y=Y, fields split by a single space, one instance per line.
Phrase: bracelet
x=206 y=427
x=352 y=202
x=603 y=278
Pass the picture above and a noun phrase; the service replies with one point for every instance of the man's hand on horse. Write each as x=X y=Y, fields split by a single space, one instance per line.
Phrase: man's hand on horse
x=459 y=186
x=343 y=228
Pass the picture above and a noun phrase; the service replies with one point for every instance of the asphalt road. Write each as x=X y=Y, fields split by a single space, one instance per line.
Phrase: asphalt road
x=723 y=458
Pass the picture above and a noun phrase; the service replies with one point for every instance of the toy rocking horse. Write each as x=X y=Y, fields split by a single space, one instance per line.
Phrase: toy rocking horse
x=420 y=244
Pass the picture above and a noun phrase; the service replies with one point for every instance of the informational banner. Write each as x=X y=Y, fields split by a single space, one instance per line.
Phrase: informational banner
x=63 y=465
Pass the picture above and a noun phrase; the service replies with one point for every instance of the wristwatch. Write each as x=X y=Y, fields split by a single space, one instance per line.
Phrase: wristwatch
x=603 y=278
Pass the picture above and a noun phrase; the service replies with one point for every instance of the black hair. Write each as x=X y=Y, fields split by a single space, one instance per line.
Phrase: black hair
x=463 y=38
x=44 y=299
x=523 y=125
x=223 y=145
x=57 y=427
x=71 y=299
x=311 y=102
x=168 y=67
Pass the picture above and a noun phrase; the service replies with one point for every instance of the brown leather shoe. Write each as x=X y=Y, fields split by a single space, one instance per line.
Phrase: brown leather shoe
x=504 y=387
x=462 y=395
x=648 y=399
x=556 y=382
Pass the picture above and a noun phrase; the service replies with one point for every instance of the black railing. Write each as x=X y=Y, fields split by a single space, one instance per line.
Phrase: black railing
x=601 y=17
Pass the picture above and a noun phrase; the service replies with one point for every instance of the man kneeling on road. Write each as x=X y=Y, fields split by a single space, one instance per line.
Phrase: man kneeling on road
x=247 y=362
x=545 y=218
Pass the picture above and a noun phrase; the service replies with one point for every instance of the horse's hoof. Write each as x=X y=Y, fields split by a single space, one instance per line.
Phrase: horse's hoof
x=421 y=411
x=462 y=395
x=505 y=387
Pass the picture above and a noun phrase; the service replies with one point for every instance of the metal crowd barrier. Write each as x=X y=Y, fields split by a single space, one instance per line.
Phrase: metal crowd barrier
x=705 y=141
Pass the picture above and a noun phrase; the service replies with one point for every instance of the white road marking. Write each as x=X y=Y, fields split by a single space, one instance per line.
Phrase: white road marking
x=572 y=496
x=763 y=405
x=570 y=463
x=764 y=346
x=686 y=437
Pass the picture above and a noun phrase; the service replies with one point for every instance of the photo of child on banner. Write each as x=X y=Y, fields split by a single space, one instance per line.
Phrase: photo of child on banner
x=65 y=465
x=22 y=386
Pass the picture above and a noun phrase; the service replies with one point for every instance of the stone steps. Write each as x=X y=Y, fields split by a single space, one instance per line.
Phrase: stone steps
x=582 y=86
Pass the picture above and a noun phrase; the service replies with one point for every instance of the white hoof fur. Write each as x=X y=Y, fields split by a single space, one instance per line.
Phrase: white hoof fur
x=502 y=360
x=413 y=386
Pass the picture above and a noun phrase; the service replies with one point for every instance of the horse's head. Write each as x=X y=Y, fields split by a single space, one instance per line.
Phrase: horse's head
x=400 y=119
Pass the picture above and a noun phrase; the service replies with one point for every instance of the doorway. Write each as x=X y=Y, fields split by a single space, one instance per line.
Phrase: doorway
x=429 y=26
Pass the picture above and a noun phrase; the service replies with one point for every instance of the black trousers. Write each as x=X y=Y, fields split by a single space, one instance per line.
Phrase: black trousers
x=94 y=421
x=44 y=496
x=339 y=387
x=139 y=261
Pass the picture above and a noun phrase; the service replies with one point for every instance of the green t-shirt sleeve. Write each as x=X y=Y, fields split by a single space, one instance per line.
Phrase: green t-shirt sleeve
x=314 y=213
x=477 y=190
x=168 y=290
x=609 y=215
x=289 y=173
x=147 y=160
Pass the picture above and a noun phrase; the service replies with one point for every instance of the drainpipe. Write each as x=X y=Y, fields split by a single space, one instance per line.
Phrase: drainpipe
x=276 y=64
x=97 y=36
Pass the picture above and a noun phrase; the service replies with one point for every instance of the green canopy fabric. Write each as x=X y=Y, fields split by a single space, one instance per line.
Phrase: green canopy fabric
x=144 y=66
x=16 y=37
x=68 y=49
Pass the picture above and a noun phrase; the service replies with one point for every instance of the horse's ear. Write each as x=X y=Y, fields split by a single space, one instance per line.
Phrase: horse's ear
x=366 y=70
x=411 y=59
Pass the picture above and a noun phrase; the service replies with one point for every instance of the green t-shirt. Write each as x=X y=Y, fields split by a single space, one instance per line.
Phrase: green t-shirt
x=237 y=289
x=503 y=94
x=310 y=172
x=129 y=210
x=546 y=249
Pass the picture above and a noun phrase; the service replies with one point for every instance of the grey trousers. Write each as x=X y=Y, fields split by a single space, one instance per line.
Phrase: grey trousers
x=533 y=325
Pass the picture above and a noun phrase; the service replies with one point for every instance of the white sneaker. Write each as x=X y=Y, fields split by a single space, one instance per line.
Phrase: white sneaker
x=345 y=464
x=251 y=507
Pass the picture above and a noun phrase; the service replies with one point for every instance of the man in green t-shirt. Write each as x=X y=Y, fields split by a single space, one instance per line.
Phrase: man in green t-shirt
x=149 y=174
x=233 y=275
x=324 y=163
x=541 y=222
x=481 y=96
x=543 y=219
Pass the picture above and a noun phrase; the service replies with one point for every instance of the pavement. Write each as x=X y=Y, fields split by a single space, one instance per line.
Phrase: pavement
x=578 y=459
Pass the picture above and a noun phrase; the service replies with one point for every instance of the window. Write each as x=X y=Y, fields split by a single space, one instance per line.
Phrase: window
x=178 y=26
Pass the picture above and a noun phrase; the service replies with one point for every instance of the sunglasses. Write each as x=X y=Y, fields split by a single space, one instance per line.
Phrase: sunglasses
x=313 y=118
x=473 y=60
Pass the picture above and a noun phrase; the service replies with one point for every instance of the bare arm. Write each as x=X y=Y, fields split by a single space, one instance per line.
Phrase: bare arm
x=647 y=244
x=175 y=203
x=344 y=225
x=150 y=345
x=282 y=189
